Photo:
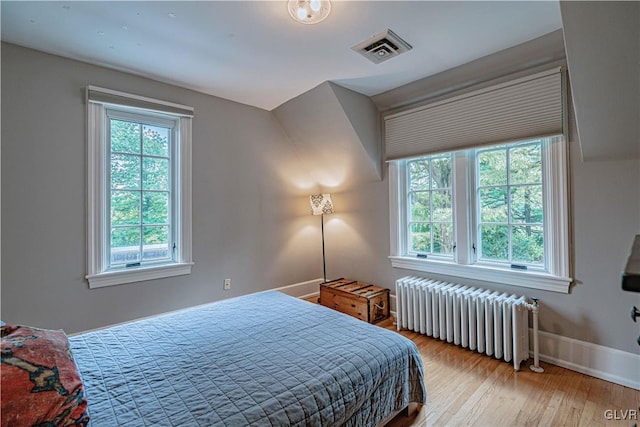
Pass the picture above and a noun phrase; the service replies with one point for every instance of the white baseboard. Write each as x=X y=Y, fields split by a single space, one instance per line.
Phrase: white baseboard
x=306 y=289
x=598 y=361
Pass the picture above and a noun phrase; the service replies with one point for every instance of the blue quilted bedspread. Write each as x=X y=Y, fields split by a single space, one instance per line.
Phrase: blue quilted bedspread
x=265 y=359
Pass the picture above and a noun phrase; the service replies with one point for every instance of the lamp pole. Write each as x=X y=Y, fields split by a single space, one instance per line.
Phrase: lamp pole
x=321 y=204
x=324 y=267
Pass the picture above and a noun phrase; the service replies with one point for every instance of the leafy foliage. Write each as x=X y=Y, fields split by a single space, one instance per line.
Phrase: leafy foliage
x=140 y=174
x=511 y=203
x=431 y=214
x=509 y=199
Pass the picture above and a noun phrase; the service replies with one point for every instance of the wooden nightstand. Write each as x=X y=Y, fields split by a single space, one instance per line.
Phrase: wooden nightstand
x=366 y=302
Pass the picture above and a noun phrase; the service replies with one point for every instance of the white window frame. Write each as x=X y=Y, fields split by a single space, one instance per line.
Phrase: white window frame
x=546 y=214
x=555 y=275
x=407 y=216
x=98 y=234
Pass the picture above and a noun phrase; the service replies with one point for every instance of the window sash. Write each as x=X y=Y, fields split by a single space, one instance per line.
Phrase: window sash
x=509 y=262
x=158 y=120
x=429 y=190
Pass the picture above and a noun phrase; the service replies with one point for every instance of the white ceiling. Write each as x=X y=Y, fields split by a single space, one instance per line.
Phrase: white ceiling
x=254 y=53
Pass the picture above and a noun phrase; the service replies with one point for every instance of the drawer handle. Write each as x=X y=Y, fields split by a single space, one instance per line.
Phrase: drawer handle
x=635 y=313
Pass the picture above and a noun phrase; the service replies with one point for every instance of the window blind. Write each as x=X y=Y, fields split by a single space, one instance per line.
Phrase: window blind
x=528 y=107
x=113 y=97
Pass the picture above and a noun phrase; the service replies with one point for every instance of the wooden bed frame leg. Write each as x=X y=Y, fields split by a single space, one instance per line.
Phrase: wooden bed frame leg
x=412 y=409
x=409 y=411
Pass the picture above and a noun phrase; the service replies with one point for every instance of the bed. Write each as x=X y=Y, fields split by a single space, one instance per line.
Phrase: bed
x=265 y=359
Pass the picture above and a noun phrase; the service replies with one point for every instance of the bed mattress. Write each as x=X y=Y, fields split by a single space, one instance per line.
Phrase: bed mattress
x=265 y=359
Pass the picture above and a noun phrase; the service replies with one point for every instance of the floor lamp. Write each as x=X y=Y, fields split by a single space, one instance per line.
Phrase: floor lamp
x=321 y=204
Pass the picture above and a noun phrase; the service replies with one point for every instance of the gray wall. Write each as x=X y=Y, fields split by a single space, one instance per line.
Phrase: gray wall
x=605 y=219
x=251 y=218
x=605 y=214
x=603 y=45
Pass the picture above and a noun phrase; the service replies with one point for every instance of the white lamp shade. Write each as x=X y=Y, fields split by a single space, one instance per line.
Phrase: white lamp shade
x=321 y=204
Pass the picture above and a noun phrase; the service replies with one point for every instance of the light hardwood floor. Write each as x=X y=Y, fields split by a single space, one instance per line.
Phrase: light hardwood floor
x=465 y=388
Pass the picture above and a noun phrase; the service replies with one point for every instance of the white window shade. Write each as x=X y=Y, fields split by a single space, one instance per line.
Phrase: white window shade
x=528 y=107
x=104 y=96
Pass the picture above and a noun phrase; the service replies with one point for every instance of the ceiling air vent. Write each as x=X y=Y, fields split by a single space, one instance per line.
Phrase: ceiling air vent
x=382 y=46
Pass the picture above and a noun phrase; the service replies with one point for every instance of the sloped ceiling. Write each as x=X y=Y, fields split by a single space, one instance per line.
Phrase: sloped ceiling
x=252 y=52
x=602 y=42
x=339 y=130
x=539 y=52
x=603 y=53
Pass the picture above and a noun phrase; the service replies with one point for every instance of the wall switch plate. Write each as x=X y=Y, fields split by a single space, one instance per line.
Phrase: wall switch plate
x=227 y=284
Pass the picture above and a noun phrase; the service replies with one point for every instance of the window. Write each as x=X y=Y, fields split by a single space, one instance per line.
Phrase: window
x=430 y=221
x=140 y=197
x=463 y=202
x=510 y=205
x=495 y=213
x=139 y=188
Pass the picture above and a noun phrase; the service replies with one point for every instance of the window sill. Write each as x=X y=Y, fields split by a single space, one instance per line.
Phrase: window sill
x=120 y=277
x=526 y=279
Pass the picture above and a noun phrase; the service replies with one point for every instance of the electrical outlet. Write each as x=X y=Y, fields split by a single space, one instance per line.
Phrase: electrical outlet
x=227 y=284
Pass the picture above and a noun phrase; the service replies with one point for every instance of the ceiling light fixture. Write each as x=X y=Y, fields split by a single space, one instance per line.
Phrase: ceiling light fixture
x=309 y=11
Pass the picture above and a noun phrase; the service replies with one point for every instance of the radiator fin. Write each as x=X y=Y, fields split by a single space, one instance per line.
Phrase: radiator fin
x=489 y=322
